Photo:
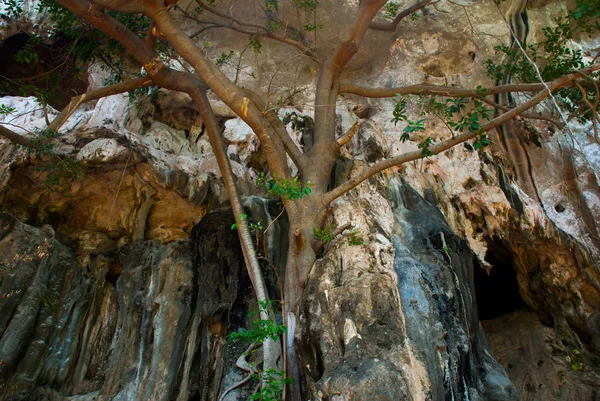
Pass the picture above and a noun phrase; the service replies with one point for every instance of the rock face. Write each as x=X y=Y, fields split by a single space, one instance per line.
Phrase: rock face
x=539 y=360
x=124 y=283
x=145 y=321
x=402 y=312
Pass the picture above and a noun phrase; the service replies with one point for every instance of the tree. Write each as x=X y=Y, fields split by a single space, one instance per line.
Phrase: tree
x=307 y=195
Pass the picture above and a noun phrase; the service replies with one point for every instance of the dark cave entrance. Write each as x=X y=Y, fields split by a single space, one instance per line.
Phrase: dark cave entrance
x=498 y=292
x=54 y=73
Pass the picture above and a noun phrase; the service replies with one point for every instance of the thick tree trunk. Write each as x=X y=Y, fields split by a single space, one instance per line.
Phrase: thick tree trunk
x=301 y=257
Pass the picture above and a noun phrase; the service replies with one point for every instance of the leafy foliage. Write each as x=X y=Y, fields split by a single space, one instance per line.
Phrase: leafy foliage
x=284 y=189
x=13 y=9
x=323 y=234
x=260 y=329
x=354 y=238
x=391 y=9
x=6 y=110
x=555 y=55
x=274 y=383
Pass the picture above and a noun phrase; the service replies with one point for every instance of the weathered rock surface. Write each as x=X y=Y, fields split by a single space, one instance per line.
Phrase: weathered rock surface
x=397 y=320
x=539 y=360
x=89 y=311
x=145 y=321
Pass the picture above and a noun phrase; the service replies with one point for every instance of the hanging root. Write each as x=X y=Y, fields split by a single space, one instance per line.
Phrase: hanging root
x=242 y=364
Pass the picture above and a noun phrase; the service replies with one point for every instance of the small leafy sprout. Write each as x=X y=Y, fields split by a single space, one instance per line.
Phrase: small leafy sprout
x=274 y=382
x=260 y=329
x=413 y=126
x=28 y=54
x=284 y=189
x=424 y=146
x=391 y=10
x=574 y=359
x=415 y=16
x=455 y=105
x=324 y=234
x=481 y=91
x=399 y=112
x=255 y=44
x=63 y=172
x=354 y=238
x=241 y=217
x=481 y=141
x=6 y=110
x=255 y=227
x=224 y=58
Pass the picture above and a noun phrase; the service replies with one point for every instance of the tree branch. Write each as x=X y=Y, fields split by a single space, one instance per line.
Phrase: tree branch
x=230 y=18
x=351 y=132
x=448 y=91
x=261 y=31
x=534 y=116
x=123 y=6
x=290 y=146
x=449 y=143
x=16 y=138
x=391 y=27
x=326 y=146
x=304 y=49
x=95 y=94
x=234 y=97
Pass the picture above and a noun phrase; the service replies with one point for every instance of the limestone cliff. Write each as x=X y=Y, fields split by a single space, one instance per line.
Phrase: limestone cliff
x=124 y=284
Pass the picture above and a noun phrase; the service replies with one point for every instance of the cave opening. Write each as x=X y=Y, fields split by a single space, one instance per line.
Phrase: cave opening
x=47 y=70
x=497 y=293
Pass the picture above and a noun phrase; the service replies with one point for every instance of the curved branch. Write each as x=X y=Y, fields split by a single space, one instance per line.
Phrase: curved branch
x=95 y=94
x=351 y=132
x=391 y=27
x=216 y=12
x=448 y=91
x=533 y=116
x=304 y=49
x=449 y=143
x=290 y=146
x=99 y=19
x=261 y=31
x=16 y=138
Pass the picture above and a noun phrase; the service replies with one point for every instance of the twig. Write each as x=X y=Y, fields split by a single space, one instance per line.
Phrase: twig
x=351 y=132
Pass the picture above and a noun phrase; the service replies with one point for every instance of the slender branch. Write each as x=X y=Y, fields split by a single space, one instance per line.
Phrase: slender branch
x=449 y=143
x=593 y=107
x=16 y=138
x=318 y=245
x=534 y=116
x=448 y=91
x=351 y=132
x=391 y=26
x=263 y=34
x=95 y=94
x=230 y=18
x=290 y=146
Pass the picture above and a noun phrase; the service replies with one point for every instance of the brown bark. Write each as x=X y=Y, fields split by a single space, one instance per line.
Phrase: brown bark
x=230 y=94
x=449 y=143
x=16 y=138
x=325 y=149
x=96 y=94
x=391 y=26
